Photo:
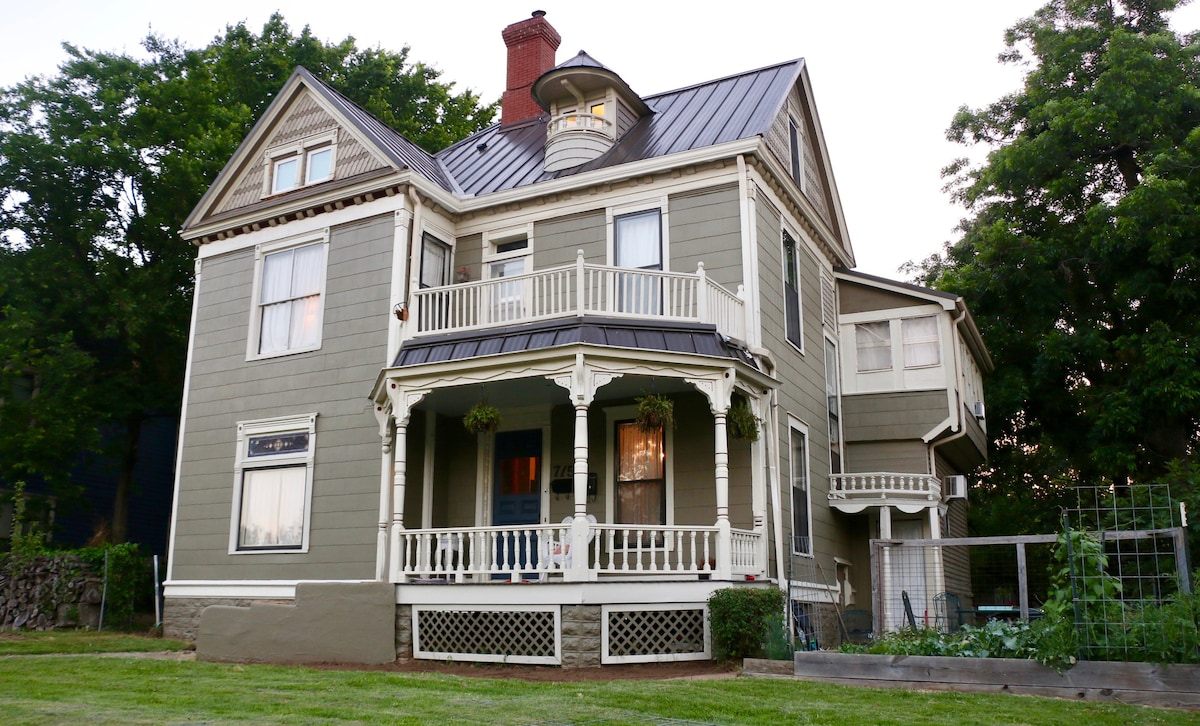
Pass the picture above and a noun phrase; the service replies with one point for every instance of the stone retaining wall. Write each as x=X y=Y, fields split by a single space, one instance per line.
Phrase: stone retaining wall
x=50 y=592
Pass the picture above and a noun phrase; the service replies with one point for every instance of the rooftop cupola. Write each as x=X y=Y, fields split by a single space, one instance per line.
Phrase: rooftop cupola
x=590 y=108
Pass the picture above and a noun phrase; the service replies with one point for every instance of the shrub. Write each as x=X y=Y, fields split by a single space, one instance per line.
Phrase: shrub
x=741 y=619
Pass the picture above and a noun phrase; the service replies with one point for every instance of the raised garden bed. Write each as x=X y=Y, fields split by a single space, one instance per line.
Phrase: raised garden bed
x=1147 y=684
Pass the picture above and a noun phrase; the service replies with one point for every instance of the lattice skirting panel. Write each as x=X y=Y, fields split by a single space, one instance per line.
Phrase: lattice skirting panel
x=497 y=634
x=655 y=633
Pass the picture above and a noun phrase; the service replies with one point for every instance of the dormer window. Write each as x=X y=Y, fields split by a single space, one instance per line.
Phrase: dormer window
x=306 y=162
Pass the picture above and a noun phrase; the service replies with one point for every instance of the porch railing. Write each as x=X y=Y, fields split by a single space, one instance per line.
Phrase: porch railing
x=882 y=485
x=537 y=551
x=579 y=289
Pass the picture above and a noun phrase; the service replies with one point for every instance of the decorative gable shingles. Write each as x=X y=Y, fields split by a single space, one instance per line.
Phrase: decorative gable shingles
x=778 y=141
x=303 y=118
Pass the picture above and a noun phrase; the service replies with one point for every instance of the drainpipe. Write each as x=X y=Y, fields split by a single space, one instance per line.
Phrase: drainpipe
x=959 y=425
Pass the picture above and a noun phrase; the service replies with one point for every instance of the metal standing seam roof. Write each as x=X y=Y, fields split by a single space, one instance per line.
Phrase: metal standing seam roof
x=715 y=112
x=402 y=152
x=699 y=339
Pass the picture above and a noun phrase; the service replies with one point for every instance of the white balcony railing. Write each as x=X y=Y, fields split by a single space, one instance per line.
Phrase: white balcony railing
x=576 y=121
x=483 y=554
x=579 y=289
x=883 y=486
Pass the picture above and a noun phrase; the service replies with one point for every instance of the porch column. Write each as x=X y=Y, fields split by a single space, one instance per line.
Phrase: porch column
x=935 y=532
x=385 y=492
x=580 y=567
x=724 y=531
x=399 y=472
x=402 y=402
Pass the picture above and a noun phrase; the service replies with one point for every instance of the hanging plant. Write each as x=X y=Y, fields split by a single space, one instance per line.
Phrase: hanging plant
x=655 y=412
x=481 y=418
x=741 y=421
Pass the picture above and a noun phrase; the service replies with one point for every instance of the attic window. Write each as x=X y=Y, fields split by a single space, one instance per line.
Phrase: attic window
x=300 y=164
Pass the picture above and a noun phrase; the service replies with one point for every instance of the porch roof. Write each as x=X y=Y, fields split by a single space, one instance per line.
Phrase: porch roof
x=661 y=335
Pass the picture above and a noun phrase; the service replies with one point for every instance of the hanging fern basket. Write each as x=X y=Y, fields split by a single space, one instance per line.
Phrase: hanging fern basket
x=741 y=421
x=482 y=418
x=655 y=412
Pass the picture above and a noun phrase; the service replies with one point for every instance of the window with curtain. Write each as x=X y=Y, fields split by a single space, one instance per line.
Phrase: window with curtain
x=290 y=310
x=791 y=291
x=873 y=342
x=637 y=243
x=272 y=511
x=921 y=345
x=641 y=485
x=801 y=534
x=274 y=483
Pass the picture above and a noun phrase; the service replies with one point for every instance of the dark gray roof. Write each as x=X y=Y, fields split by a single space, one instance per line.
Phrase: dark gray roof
x=865 y=278
x=666 y=336
x=400 y=150
x=582 y=60
x=715 y=112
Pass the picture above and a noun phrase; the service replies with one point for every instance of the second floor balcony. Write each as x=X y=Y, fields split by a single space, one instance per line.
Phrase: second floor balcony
x=580 y=289
x=852 y=493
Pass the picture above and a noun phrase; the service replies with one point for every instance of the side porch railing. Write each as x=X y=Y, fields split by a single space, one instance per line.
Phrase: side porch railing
x=537 y=552
x=884 y=485
x=578 y=289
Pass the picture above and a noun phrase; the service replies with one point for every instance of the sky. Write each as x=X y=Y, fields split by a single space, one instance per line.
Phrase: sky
x=887 y=75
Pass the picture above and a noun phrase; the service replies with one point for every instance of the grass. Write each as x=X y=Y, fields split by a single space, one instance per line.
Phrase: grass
x=69 y=689
x=82 y=641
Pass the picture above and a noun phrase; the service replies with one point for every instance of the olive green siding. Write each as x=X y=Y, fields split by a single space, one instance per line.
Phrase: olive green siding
x=332 y=382
x=802 y=389
x=468 y=253
x=705 y=227
x=892 y=416
x=907 y=457
x=854 y=298
x=556 y=241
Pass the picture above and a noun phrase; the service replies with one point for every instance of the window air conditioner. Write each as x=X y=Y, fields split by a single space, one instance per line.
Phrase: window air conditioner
x=956 y=487
x=979 y=411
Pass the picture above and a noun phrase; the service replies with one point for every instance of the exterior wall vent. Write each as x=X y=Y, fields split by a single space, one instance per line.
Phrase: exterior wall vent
x=956 y=487
x=979 y=410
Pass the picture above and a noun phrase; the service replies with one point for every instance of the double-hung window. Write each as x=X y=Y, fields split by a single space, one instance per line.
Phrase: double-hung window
x=798 y=464
x=641 y=484
x=921 y=345
x=833 y=402
x=791 y=291
x=301 y=163
x=289 y=299
x=873 y=346
x=637 y=244
x=273 y=484
x=506 y=259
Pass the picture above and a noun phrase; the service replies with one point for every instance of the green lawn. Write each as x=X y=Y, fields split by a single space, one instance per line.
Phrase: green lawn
x=82 y=641
x=76 y=689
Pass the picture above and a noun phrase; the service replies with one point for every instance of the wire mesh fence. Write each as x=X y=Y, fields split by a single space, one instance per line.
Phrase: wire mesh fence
x=1121 y=557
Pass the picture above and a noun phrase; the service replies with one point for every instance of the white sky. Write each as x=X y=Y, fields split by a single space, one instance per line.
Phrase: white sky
x=887 y=75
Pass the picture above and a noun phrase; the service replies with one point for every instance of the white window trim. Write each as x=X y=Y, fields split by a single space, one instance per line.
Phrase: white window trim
x=492 y=240
x=796 y=161
x=260 y=427
x=612 y=415
x=299 y=149
x=837 y=375
x=795 y=424
x=796 y=240
x=940 y=340
x=255 y=328
x=611 y=213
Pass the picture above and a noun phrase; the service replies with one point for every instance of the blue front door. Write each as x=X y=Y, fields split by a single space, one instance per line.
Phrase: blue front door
x=517 y=491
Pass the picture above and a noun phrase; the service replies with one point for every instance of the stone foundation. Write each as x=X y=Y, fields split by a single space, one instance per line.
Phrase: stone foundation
x=581 y=637
x=181 y=616
x=404 y=632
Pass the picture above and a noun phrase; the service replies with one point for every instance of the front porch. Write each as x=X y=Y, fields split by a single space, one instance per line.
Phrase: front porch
x=568 y=489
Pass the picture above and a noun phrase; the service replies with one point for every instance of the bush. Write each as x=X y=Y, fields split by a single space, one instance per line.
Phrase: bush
x=741 y=619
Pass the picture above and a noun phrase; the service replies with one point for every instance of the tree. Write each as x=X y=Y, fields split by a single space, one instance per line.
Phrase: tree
x=99 y=166
x=1080 y=259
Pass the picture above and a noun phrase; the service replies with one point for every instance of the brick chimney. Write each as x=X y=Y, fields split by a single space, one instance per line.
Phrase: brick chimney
x=531 y=44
